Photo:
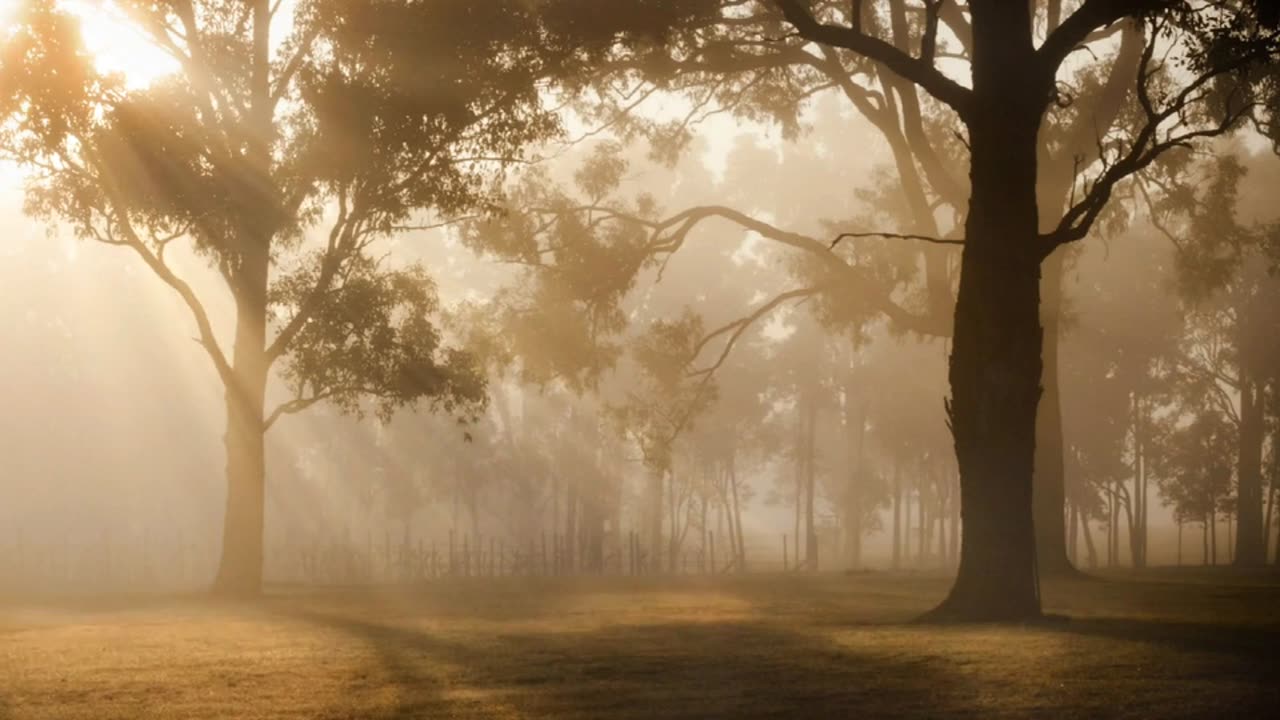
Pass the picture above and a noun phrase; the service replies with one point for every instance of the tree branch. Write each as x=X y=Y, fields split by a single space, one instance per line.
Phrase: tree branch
x=293 y=407
x=737 y=328
x=894 y=236
x=918 y=71
x=1076 y=29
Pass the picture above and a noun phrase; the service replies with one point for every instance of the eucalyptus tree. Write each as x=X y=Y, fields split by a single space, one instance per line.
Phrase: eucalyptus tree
x=1197 y=474
x=1231 y=351
x=281 y=152
x=1200 y=69
x=727 y=55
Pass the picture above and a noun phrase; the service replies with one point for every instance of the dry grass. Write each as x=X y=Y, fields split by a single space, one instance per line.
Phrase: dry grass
x=804 y=647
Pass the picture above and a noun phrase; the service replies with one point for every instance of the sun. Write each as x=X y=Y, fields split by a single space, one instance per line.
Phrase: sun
x=116 y=42
x=118 y=45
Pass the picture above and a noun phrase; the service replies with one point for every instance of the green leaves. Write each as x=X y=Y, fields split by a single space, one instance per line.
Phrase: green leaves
x=375 y=335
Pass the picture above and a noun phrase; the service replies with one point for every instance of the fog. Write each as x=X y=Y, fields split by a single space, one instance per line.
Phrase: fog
x=378 y=356
x=113 y=446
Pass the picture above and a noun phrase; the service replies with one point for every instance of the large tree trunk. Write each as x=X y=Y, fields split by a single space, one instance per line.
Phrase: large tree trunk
x=240 y=569
x=1251 y=544
x=996 y=357
x=1049 y=493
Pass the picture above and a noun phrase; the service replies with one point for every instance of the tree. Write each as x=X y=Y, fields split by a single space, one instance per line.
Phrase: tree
x=996 y=363
x=719 y=62
x=1230 y=352
x=996 y=360
x=1196 y=473
x=357 y=119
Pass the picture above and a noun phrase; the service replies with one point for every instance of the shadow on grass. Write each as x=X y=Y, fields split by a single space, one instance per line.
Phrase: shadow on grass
x=671 y=670
x=1256 y=645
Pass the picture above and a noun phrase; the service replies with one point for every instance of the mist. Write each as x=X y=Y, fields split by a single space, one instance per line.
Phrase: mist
x=710 y=359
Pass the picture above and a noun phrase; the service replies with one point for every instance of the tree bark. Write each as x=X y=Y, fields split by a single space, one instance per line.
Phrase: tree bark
x=996 y=363
x=240 y=569
x=953 y=545
x=1050 y=485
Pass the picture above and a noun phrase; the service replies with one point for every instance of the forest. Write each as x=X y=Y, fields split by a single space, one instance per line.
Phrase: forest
x=639 y=358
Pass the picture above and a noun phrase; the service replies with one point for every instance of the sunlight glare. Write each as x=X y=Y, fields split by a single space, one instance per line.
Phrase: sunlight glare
x=118 y=45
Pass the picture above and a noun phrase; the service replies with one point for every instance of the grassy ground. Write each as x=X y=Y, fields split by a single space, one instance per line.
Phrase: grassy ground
x=765 y=646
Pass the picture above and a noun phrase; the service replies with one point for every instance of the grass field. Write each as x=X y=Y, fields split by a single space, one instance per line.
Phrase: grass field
x=829 y=646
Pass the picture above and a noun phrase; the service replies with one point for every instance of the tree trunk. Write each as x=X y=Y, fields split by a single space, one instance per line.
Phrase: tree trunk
x=996 y=358
x=240 y=568
x=1204 y=541
x=653 y=520
x=1268 y=514
x=1137 y=523
x=897 y=512
x=1276 y=557
x=811 y=530
x=855 y=425
x=1213 y=538
x=953 y=546
x=1113 y=525
x=737 y=515
x=1073 y=534
x=673 y=520
x=1251 y=544
x=1090 y=549
x=571 y=525
x=1049 y=493
x=922 y=517
x=1230 y=545
x=944 y=512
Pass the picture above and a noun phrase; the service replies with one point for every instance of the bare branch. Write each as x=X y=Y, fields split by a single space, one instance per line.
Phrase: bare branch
x=894 y=236
x=292 y=407
x=737 y=328
x=1077 y=28
x=922 y=73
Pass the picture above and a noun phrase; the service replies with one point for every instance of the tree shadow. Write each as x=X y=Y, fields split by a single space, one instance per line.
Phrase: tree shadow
x=1254 y=644
x=668 y=670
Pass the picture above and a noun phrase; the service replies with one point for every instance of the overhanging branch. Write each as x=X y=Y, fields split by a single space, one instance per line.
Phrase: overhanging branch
x=917 y=70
